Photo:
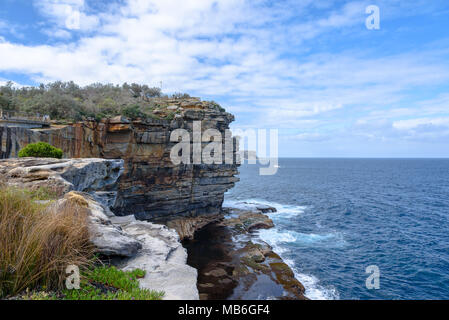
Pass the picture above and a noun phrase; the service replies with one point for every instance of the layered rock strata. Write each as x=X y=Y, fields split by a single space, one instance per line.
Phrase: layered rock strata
x=129 y=243
x=151 y=186
x=63 y=175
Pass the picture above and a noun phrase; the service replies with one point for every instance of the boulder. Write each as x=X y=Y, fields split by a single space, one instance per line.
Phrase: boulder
x=109 y=239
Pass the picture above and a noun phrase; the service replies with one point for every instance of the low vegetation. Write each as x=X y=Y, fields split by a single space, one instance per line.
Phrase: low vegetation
x=40 y=150
x=101 y=283
x=109 y=283
x=41 y=193
x=68 y=102
x=37 y=243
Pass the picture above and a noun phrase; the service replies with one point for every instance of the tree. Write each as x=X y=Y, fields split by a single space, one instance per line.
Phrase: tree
x=179 y=95
x=152 y=92
x=5 y=103
x=68 y=101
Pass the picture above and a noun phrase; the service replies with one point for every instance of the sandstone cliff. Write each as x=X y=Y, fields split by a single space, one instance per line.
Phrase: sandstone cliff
x=151 y=186
x=129 y=243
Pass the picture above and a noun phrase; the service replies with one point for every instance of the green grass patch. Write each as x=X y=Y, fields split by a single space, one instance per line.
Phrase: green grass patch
x=41 y=193
x=107 y=283
x=102 y=283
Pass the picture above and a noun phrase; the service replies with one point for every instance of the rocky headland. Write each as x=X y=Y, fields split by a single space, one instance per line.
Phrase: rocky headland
x=151 y=187
x=143 y=208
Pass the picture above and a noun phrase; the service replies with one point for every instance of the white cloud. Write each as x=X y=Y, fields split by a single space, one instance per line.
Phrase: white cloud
x=62 y=14
x=57 y=33
x=236 y=50
x=4 y=82
x=310 y=136
x=421 y=122
x=7 y=27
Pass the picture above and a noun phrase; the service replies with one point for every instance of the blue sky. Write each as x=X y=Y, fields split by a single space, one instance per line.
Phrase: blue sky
x=310 y=69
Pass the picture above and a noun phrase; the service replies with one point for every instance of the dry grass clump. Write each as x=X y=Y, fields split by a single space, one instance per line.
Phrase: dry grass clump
x=38 y=242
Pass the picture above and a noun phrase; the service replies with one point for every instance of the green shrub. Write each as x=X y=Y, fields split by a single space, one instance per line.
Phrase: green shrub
x=133 y=112
x=40 y=150
x=216 y=106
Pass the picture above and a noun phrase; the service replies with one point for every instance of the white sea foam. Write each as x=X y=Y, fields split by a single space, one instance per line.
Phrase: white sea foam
x=283 y=211
x=275 y=236
x=314 y=291
x=278 y=239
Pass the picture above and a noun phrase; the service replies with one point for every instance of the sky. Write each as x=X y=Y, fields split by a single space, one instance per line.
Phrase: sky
x=310 y=69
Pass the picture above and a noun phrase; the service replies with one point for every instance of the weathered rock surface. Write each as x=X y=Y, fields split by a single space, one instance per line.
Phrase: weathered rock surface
x=151 y=186
x=109 y=239
x=147 y=246
x=67 y=177
x=186 y=227
x=162 y=257
x=62 y=175
x=130 y=243
x=248 y=220
x=233 y=263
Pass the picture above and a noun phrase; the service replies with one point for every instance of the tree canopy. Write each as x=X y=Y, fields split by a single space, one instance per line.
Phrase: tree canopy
x=69 y=101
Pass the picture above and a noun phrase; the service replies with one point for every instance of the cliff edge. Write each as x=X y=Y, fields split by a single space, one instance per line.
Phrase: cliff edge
x=151 y=187
x=128 y=243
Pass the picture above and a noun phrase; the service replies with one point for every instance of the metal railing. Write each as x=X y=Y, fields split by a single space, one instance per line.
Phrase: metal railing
x=23 y=116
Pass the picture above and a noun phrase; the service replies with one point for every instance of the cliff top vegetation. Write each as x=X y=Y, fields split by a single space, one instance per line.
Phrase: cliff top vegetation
x=71 y=102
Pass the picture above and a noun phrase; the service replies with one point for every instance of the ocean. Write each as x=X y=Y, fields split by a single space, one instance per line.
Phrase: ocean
x=336 y=217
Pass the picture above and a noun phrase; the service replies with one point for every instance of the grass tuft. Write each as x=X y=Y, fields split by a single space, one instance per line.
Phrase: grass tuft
x=37 y=243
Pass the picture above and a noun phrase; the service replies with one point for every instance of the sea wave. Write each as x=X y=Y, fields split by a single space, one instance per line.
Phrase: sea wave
x=279 y=240
x=283 y=211
x=277 y=237
x=314 y=290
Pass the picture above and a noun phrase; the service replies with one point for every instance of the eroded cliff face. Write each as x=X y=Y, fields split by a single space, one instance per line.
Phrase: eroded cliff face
x=130 y=244
x=151 y=186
